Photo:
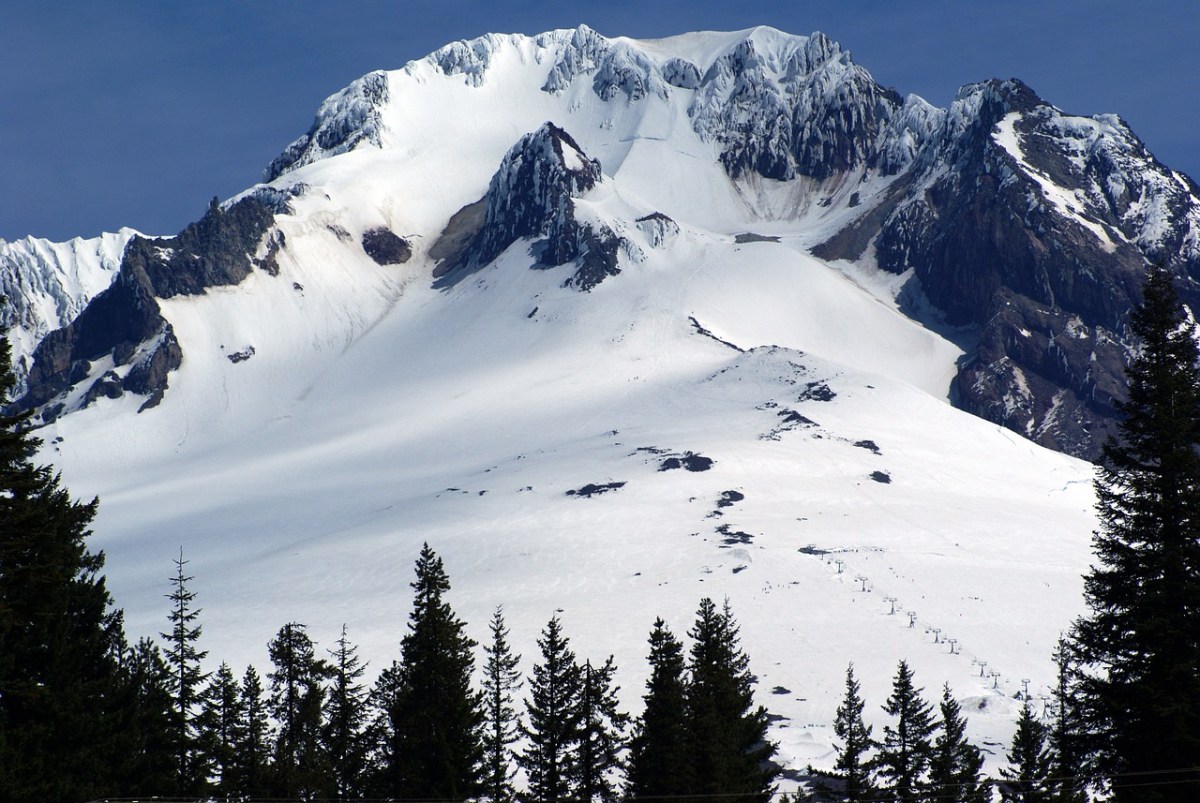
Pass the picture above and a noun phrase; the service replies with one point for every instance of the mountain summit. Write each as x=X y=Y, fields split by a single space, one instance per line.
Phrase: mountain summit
x=1022 y=229
x=618 y=324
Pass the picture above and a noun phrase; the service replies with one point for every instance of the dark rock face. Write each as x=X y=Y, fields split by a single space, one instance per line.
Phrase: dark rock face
x=386 y=247
x=148 y=376
x=216 y=250
x=531 y=197
x=125 y=322
x=1035 y=228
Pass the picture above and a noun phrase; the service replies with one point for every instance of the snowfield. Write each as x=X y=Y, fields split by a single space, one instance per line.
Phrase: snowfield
x=870 y=520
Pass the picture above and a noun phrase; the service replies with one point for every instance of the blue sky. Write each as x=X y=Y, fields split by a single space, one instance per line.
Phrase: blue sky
x=136 y=113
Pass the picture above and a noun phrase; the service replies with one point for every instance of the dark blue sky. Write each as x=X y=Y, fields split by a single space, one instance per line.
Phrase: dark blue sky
x=136 y=113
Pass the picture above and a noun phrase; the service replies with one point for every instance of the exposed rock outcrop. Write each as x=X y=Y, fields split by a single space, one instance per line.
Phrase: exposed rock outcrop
x=386 y=247
x=531 y=197
x=1035 y=227
x=123 y=326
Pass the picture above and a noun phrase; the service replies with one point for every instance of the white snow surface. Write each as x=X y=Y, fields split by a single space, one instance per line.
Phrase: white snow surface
x=377 y=413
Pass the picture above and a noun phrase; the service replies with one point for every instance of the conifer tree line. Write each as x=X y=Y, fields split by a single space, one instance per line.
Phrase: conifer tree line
x=86 y=715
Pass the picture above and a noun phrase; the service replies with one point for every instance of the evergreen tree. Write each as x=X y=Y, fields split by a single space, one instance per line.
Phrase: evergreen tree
x=1139 y=646
x=301 y=767
x=1066 y=734
x=500 y=680
x=61 y=641
x=147 y=761
x=252 y=757
x=853 y=769
x=552 y=713
x=596 y=764
x=727 y=735
x=1025 y=778
x=346 y=721
x=217 y=727
x=186 y=679
x=659 y=764
x=437 y=718
x=906 y=751
x=954 y=769
x=386 y=766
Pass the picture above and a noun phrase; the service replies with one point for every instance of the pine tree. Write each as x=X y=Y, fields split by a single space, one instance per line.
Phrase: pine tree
x=853 y=770
x=1139 y=646
x=346 y=721
x=600 y=740
x=906 y=751
x=217 y=727
x=186 y=679
x=727 y=734
x=301 y=767
x=252 y=759
x=437 y=717
x=501 y=680
x=61 y=640
x=954 y=768
x=1025 y=778
x=552 y=719
x=659 y=765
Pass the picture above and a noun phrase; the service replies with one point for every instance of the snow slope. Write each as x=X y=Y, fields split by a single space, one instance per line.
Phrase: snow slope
x=328 y=420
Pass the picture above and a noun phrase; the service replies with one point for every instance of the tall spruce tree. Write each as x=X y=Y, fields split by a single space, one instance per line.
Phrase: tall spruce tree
x=955 y=766
x=61 y=640
x=727 y=735
x=1026 y=778
x=853 y=770
x=659 y=765
x=437 y=716
x=345 y=727
x=187 y=678
x=252 y=758
x=217 y=728
x=1139 y=646
x=907 y=749
x=501 y=679
x=596 y=766
x=301 y=767
x=1066 y=735
x=551 y=729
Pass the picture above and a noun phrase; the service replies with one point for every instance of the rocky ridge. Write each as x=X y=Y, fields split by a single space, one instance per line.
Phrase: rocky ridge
x=120 y=342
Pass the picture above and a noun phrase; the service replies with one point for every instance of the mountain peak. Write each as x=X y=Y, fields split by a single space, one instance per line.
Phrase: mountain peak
x=345 y=120
x=531 y=196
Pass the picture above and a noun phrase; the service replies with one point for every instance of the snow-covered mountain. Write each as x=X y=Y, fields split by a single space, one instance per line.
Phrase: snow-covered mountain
x=46 y=285
x=615 y=325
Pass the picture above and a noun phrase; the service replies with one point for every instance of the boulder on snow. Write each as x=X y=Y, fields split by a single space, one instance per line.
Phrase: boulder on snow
x=386 y=247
